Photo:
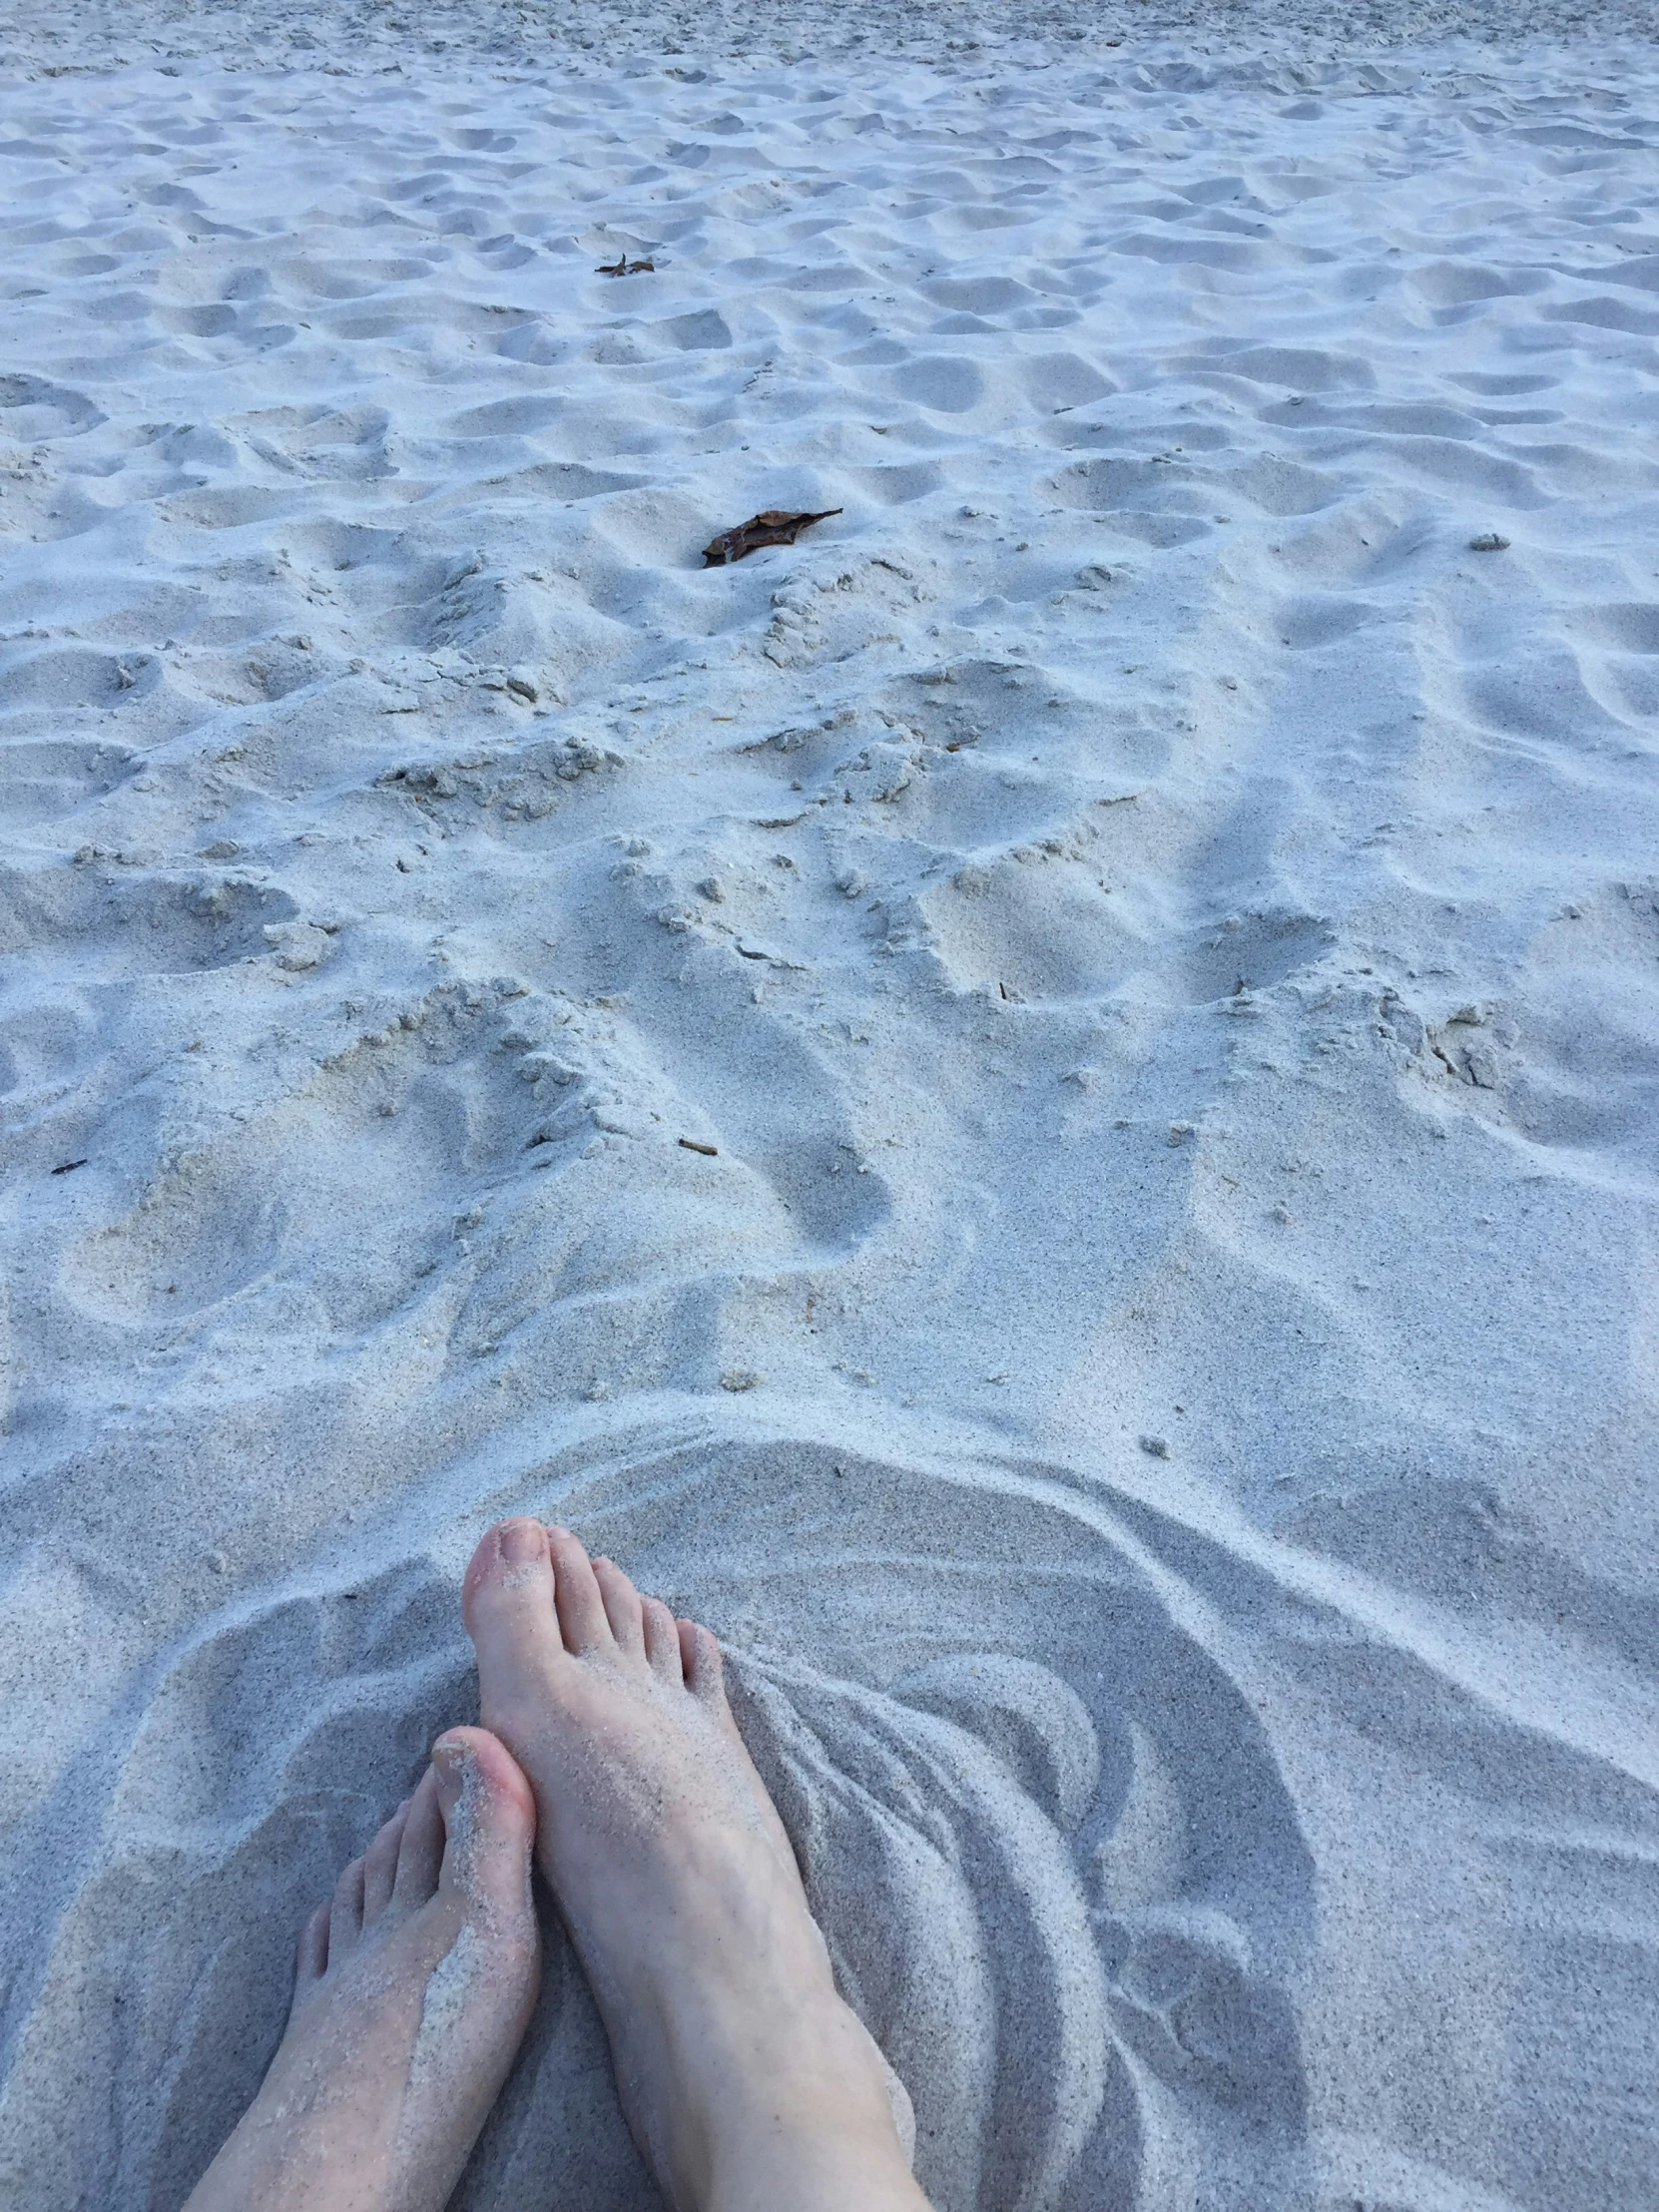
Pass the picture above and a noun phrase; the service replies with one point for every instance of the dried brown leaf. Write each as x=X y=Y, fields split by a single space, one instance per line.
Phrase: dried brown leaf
x=771 y=527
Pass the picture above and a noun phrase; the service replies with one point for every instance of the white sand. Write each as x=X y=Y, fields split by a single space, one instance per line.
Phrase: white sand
x=1162 y=937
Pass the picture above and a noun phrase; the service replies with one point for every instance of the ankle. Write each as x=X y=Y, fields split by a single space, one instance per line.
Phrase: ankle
x=795 y=2111
x=824 y=2167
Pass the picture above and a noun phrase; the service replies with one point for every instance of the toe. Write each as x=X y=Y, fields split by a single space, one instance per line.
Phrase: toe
x=345 y=1914
x=700 y=1658
x=380 y=1866
x=312 y=1962
x=507 y=1603
x=420 y=1846
x=622 y=1606
x=575 y=1594
x=706 y=1678
x=490 y=1819
x=662 y=1641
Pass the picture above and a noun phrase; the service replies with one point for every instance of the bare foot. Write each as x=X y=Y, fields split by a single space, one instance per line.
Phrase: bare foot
x=748 y=2085
x=414 y=1989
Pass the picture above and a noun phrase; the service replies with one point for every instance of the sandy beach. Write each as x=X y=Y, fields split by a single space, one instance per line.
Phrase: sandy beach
x=1040 y=1106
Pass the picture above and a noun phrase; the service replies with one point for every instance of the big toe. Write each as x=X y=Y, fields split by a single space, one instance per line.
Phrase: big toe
x=490 y=1821
x=507 y=1604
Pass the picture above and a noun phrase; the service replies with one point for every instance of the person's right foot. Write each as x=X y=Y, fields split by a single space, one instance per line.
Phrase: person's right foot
x=748 y=2085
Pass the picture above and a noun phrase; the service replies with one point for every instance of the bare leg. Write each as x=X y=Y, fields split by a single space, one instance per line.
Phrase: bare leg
x=414 y=1989
x=748 y=2085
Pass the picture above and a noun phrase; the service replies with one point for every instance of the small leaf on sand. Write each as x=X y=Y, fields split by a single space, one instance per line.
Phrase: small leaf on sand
x=626 y=267
x=1488 y=542
x=774 y=527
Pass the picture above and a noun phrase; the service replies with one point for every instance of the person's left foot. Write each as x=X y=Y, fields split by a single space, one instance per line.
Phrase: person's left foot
x=413 y=1992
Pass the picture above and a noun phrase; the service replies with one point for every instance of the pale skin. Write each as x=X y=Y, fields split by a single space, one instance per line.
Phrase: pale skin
x=609 y=1750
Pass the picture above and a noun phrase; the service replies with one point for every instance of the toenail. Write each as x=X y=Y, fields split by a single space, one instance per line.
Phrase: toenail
x=554 y=1529
x=519 y=1541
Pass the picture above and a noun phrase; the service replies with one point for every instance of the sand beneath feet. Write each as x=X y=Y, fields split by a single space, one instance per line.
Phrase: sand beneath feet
x=1041 y=1106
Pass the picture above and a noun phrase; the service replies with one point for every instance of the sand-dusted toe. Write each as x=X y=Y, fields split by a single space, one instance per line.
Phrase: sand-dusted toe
x=508 y=1605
